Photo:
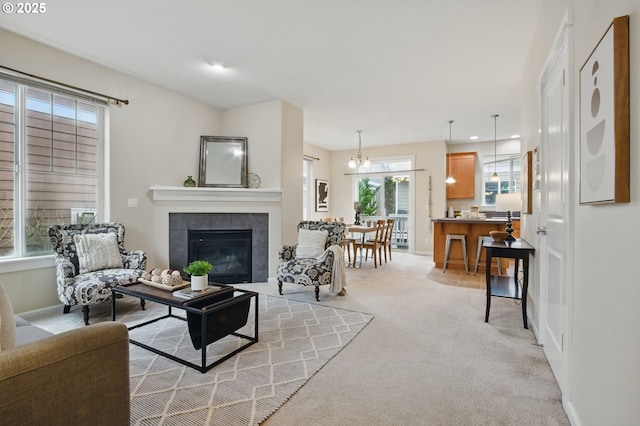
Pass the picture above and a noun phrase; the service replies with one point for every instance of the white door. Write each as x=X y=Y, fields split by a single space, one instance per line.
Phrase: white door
x=555 y=209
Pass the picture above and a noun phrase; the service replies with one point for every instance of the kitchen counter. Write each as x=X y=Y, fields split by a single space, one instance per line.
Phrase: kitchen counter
x=472 y=228
x=473 y=219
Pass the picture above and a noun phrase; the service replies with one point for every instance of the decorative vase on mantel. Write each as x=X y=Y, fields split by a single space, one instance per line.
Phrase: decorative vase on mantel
x=189 y=183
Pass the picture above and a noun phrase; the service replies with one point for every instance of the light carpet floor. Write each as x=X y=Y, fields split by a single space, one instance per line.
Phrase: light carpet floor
x=295 y=340
x=428 y=357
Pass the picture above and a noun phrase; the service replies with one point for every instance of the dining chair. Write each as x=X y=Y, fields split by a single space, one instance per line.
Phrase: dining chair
x=381 y=237
x=374 y=245
x=347 y=244
x=386 y=246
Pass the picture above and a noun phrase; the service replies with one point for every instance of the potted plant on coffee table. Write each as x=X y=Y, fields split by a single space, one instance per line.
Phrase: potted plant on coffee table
x=199 y=271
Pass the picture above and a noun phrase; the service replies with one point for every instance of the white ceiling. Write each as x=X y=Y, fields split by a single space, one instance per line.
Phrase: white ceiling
x=398 y=70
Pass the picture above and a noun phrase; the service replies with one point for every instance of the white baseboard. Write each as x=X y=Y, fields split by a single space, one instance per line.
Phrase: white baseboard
x=571 y=412
x=49 y=310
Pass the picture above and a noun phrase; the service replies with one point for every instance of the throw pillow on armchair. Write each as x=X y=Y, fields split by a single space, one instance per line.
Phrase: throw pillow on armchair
x=311 y=243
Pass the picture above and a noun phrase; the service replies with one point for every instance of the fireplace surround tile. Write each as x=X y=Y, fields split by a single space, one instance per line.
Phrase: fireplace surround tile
x=181 y=223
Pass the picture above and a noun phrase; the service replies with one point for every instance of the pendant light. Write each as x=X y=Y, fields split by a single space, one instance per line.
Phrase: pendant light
x=495 y=177
x=359 y=159
x=450 y=178
x=355 y=163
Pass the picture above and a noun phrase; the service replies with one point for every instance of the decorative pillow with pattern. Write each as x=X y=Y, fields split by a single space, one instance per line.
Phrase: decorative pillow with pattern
x=97 y=252
x=311 y=244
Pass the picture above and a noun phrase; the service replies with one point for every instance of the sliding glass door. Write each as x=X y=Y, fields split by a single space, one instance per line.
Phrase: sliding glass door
x=384 y=191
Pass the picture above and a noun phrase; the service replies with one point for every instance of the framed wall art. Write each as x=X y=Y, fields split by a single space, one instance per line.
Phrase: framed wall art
x=525 y=181
x=604 y=118
x=322 y=195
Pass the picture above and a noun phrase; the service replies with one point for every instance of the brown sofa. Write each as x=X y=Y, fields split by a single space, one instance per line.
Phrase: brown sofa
x=76 y=377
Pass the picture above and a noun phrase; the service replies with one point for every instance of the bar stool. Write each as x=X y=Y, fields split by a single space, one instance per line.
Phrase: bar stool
x=463 y=239
x=479 y=251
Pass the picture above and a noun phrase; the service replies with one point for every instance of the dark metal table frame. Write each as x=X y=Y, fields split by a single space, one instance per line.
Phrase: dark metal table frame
x=501 y=286
x=165 y=297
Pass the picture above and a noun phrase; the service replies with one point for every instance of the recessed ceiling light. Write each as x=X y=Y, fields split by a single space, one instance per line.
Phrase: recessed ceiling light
x=515 y=136
x=473 y=138
x=218 y=66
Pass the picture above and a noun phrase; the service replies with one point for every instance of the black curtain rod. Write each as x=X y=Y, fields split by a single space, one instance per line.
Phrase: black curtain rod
x=311 y=157
x=117 y=101
x=391 y=172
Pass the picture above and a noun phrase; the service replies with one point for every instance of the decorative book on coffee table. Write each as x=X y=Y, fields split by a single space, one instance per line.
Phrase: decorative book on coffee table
x=187 y=293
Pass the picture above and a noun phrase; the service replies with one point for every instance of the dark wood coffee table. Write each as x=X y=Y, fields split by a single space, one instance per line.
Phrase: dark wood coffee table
x=202 y=316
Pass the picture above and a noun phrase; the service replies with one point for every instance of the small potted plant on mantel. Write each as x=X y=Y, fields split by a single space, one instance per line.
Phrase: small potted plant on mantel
x=199 y=271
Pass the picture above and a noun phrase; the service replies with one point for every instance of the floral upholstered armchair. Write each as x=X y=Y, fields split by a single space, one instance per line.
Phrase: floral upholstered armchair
x=90 y=259
x=313 y=260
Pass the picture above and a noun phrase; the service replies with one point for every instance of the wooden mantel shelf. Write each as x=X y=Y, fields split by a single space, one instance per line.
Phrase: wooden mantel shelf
x=250 y=195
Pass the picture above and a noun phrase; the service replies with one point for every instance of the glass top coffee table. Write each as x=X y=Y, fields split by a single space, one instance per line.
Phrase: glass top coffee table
x=210 y=317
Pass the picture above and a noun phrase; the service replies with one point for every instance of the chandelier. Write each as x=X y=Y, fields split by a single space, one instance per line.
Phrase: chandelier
x=359 y=159
x=450 y=178
x=495 y=177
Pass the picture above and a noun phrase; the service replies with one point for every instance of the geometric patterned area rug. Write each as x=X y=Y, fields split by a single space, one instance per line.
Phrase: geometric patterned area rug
x=295 y=340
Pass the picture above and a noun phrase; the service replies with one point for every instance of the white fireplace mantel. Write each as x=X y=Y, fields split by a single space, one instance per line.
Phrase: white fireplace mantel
x=179 y=193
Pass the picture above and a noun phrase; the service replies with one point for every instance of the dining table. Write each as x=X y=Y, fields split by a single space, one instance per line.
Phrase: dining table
x=363 y=230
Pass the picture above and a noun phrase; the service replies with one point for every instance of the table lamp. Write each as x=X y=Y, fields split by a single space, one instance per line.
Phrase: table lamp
x=509 y=203
x=358 y=208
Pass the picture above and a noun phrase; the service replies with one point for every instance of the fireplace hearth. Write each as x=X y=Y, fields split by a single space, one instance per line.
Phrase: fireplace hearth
x=182 y=225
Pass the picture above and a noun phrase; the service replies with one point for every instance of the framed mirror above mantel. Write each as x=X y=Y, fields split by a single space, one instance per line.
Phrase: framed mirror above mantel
x=223 y=162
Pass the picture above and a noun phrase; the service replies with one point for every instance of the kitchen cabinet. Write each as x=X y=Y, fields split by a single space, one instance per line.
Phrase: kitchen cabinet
x=463 y=169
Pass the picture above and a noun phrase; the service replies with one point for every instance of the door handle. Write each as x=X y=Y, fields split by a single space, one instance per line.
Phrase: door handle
x=541 y=230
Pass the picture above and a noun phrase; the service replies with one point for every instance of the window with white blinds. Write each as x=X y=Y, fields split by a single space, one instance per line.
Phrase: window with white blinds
x=50 y=164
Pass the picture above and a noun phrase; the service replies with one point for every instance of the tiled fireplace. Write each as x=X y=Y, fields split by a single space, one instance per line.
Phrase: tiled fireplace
x=181 y=223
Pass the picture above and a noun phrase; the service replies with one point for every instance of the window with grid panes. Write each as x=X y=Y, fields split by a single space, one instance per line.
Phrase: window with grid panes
x=50 y=164
x=508 y=169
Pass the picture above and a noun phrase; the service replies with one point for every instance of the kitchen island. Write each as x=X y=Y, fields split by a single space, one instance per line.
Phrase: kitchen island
x=472 y=228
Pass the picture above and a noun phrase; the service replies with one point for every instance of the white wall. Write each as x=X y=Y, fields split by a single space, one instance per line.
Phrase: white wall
x=428 y=203
x=604 y=337
x=155 y=140
x=428 y=185
x=482 y=149
x=275 y=131
x=321 y=169
x=261 y=124
x=291 y=169
x=145 y=136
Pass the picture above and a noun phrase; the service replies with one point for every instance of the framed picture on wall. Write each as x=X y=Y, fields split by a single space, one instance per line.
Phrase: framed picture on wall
x=604 y=118
x=322 y=195
x=525 y=181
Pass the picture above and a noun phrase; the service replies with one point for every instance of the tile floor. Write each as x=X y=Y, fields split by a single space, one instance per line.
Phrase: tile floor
x=461 y=279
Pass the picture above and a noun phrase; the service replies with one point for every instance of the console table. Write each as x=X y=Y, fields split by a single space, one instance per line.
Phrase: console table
x=503 y=286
